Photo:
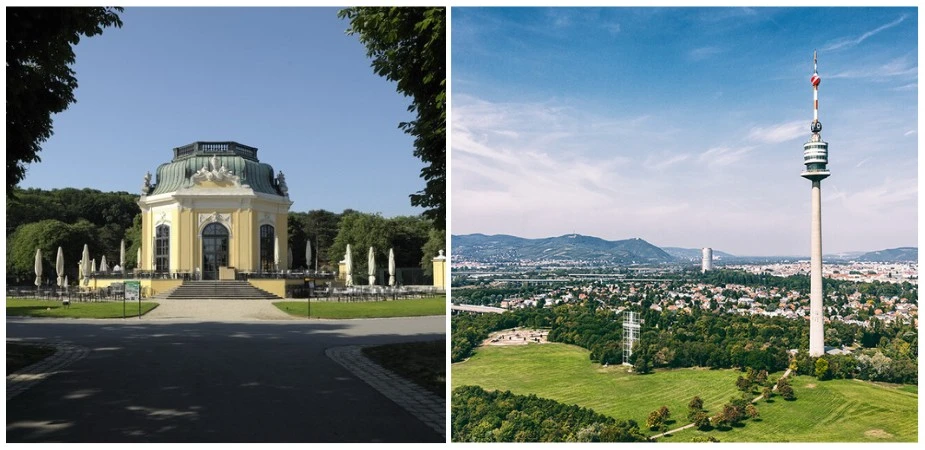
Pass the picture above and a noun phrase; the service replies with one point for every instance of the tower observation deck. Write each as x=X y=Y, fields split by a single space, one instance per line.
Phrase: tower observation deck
x=816 y=151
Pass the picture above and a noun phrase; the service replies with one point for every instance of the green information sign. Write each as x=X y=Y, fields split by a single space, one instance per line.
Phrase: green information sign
x=133 y=290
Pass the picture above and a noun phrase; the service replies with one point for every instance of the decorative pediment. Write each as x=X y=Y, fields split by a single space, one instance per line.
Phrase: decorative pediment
x=207 y=218
x=162 y=219
x=267 y=219
x=218 y=174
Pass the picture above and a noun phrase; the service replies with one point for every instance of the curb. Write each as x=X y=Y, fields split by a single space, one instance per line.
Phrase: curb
x=423 y=405
x=23 y=379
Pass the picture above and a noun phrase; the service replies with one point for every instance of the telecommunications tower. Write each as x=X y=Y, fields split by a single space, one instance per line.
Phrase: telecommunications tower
x=816 y=156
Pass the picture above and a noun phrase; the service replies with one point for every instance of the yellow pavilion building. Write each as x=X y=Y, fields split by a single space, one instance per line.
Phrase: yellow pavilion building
x=213 y=211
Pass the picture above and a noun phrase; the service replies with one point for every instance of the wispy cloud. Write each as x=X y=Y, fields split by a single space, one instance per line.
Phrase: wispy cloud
x=724 y=156
x=611 y=27
x=662 y=161
x=699 y=54
x=775 y=134
x=909 y=133
x=847 y=42
x=897 y=67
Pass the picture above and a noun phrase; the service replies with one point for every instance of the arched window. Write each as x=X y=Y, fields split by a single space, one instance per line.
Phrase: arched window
x=267 y=249
x=162 y=248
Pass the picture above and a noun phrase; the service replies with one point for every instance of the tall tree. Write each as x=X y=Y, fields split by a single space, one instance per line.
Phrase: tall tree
x=408 y=46
x=39 y=80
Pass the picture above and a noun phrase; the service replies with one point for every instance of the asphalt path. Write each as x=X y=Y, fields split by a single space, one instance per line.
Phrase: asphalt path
x=190 y=381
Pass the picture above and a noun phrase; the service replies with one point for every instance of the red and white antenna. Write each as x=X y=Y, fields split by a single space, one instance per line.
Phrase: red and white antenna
x=816 y=126
x=815 y=81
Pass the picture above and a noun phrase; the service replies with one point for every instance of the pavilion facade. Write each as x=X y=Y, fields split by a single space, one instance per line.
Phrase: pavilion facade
x=212 y=211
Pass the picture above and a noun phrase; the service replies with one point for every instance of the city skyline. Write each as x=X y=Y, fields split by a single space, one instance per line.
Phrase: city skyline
x=288 y=81
x=684 y=127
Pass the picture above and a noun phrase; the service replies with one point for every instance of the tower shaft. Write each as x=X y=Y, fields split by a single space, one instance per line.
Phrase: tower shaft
x=816 y=333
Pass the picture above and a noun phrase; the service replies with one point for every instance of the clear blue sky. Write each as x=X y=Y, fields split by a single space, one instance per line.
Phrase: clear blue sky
x=288 y=81
x=685 y=126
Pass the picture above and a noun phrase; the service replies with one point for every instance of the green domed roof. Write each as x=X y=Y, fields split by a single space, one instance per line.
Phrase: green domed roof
x=240 y=160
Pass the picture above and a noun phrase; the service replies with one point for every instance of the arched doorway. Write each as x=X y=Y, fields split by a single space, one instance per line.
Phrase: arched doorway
x=214 y=250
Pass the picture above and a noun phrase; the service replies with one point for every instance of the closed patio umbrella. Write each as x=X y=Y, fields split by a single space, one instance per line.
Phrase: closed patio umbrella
x=85 y=265
x=38 y=267
x=103 y=266
x=122 y=255
x=93 y=265
x=59 y=267
x=391 y=267
x=371 y=266
x=348 y=258
x=308 y=254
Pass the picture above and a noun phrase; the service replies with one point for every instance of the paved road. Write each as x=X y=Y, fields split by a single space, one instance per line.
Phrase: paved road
x=182 y=381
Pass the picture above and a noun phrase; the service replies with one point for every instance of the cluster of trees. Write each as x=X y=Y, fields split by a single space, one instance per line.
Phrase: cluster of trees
x=868 y=364
x=481 y=416
x=70 y=218
x=715 y=340
x=414 y=239
x=734 y=413
x=697 y=415
x=467 y=331
x=659 y=419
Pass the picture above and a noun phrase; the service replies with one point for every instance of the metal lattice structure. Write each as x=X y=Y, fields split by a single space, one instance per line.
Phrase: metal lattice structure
x=630 y=335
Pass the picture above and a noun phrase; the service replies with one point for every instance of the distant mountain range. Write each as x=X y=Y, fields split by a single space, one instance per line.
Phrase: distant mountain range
x=502 y=248
x=901 y=254
x=570 y=247
x=694 y=254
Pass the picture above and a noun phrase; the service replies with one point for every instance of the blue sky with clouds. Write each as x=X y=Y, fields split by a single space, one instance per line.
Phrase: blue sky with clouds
x=685 y=126
x=288 y=81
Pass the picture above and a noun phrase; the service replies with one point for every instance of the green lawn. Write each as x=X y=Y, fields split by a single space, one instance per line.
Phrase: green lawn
x=833 y=410
x=80 y=310
x=424 y=363
x=564 y=373
x=434 y=306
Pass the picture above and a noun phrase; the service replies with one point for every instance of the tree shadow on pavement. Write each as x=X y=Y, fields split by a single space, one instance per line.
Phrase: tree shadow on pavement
x=213 y=382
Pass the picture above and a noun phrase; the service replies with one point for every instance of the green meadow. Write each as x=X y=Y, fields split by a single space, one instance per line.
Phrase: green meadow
x=78 y=310
x=834 y=410
x=434 y=306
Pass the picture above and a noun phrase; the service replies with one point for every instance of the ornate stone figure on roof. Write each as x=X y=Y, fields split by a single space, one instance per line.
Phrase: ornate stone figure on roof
x=147 y=184
x=281 y=181
x=218 y=173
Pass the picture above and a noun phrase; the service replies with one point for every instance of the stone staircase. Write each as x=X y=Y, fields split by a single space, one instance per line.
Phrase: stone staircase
x=222 y=290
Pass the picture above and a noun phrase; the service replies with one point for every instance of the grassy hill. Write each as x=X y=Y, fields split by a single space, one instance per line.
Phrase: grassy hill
x=836 y=410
